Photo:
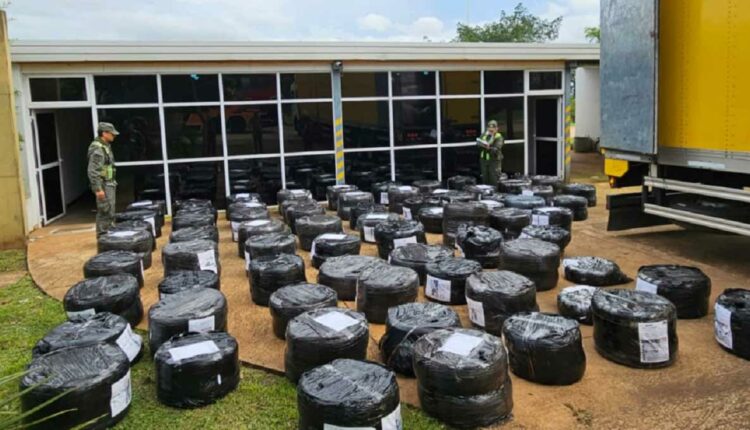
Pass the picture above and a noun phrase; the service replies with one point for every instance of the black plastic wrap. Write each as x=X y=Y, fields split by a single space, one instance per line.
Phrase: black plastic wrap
x=555 y=182
x=333 y=192
x=575 y=302
x=510 y=221
x=117 y=294
x=468 y=412
x=102 y=327
x=288 y=203
x=595 y=271
x=301 y=210
x=157 y=206
x=317 y=337
x=349 y=394
x=494 y=296
x=548 y=233
x=455 y=214
x=577 y=204
x=688 y=288
x=513 y=186
x=192 y=204
x=347 y=200
x=191 y=255
x=411 y=207
x=584 y=190
x=205 y=207
x=380 y=287
x=196 y=369
x=492 y=204
x=367 y=222
x=426 y=186
x=362 y=208
x=405 y=325
x=310 y=227
x=113 y=263
x=380 y=191
x=138 y=241
x=551 y=215
x=135 y=225
x=455 y=196
x=250 y=229
x=204 y=232
x=269 y=244
x=186 y=279
x=150 y=217
x=417 y=255
x=544 y=191
x=536 y=259
x=459 y=182
x=480 y=191
x=431 y=218
x=269 y=273
x=397 y=195
x=392 y=234
x=524 y=201
x=240 y=197
x=292 y=300
x=93 y=380
x=197 y=310
x=634 y=328
x=192 y=219
x=479 y=243
x=446 y=279
x=341 y=273
x=544 y=348
x=732 y=321
x=246 y=211
x=329 y=245
x=298 y=194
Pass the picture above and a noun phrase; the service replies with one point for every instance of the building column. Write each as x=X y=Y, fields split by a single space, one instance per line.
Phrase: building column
x=338 y=125
x=567 y=118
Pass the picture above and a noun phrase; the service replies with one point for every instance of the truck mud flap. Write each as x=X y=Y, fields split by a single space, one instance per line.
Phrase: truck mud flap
x=626 y=212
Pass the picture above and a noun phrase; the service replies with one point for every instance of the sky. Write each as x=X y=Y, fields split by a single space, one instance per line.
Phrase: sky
x=287 y=20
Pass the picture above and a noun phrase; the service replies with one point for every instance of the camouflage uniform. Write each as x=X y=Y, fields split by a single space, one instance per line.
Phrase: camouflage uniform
x=490 y=160
x=101 y=172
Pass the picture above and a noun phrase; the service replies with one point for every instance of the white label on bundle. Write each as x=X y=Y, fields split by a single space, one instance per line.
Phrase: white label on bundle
x=438 y=289
x=331 y=236
x=242 y=195
x=439 y=191
x=642 y=285
x=540 y=219
x=86 y=313
x=207 y=261
x=120 y=395
x=335 y=427
x=142 y=274
x=251 y=205
x=129 y=343
x=235 y=229
x=258 y=222
x=247 y=260
x=193 y=350
x=461 y=344
x=407 y=213
x=142 y=203
x=123 y=233
x=297 y=192
x=152 y=221
x=336 y=321
x=376 y=216
x=399 y=242
x=404 y=188
x=202 y=325
x=524 y=236
x=218 y=379
x=654 y=342
x=393 y=420
x=576 y=288
x=527 y=193
x=476 y=312
x=369 y=233
x=723 y=325
x=383 y=198
x=312 y=249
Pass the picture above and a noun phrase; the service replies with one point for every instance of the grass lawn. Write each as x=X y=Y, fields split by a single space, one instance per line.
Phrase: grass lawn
x=262 y=400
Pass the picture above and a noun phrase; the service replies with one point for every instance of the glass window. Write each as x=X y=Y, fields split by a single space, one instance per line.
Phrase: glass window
x=503 y=82
x=459 y=83
x=415 y=164
x=140 y=133
x=460 y=120
x=366 y=124
x=308 y=171
x=306 y=85
x=414 y=122
x=366 y=168
x=508 y=112
x=112 y=90
x=190 y=88
x=545 y=80
x=413 y=83
x=58 y=89
x=199 y=180
x=364 y=84
x=308 y=127
x=461 y=160
x=513 y=155
x=262 y=176
x=249 y=87
x=193 y=132
x=252 y=129
x=139 y=183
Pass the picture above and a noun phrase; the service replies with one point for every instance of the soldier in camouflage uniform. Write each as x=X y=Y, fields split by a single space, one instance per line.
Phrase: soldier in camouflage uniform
x=491 y=153
x=101 y=172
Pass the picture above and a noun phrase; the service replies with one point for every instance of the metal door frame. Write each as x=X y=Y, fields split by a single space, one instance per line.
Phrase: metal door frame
x=533 y=138
x=40 y=168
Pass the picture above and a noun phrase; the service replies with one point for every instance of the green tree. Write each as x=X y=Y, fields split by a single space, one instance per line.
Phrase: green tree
x=592 y=34
x=519 y=26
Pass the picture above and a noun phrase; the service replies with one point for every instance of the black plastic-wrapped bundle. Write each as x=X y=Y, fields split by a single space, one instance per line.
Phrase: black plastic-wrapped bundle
x=732 y=321
x=135 y=225
x=545 y=348
x=302 y=210
x=191 y=255
x=392 y=234
x=367 y=222
x=513 y=186
x=416 y=256
x=479 y=243
x=292 y=300
x=113 y=263
x=192 y=219
x=141 y=215
x=196 y=369
x=383 y=286
x=455 y=214
x=533 y=258
x=333 y=192
x=544 y=191
x=91 y=383
x=269 y=273
x=524 y=201
x=480 y=190
x=595 y=271
x=397 y=195
x=137 y=241
x=446 y=279
x=284 y=207
x=197 y=310
x=555 y=182
x=460 y=182
x=310 y=227
x=634 y=328
x=688 y=288
x=492 y=204
x=240 y=197
x=349 y=394
x=405 y=325
x=494 y=296
x=551 y=215
x=455 y=196
x=411 y=207
x=584 y=190
x=246 y=211
x=432 y=218
x=462 y=377
x=204 y=232
x=510 y=221
x=341 y=273
x=426 y=186
x=102 y=327
x=329 y=245
x=347 y=201
x=269 y=244
x=575 y=302
x=186 y=279
x=294 y=194
x=380 y=191
x=548 y=233
x=318 y=336
x=192 y=204
x=577 y=204
x=362 y=208
x=257 y=227
x=117 y=294
x=158 y=206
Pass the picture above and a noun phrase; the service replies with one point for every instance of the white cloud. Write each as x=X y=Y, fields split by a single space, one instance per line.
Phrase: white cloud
x=577 y=15
x=426 y=26
x=375 y=22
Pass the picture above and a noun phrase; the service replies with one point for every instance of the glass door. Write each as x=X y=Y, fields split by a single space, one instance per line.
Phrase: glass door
x=48 y=165
x=546 y=135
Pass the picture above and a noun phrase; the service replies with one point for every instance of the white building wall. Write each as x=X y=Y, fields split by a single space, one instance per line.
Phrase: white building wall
x=588 y=118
